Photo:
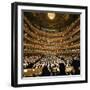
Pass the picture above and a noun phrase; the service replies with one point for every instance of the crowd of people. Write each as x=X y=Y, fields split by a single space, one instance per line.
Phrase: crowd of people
x=54 y=65
x=30 y=61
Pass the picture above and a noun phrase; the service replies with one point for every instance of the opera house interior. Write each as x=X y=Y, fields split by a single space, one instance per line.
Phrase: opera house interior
x=51 y=44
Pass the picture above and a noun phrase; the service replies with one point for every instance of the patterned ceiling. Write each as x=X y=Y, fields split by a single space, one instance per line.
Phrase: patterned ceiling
x=42 y=21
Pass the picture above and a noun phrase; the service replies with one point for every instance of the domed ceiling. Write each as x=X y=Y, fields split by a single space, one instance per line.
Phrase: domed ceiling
x=51 y=21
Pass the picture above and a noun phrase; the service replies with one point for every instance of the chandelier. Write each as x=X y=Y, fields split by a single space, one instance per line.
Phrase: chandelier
x=51 y=16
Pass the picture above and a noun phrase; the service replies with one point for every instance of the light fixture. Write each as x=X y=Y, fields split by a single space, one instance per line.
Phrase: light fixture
x=25 y=70
x=51 y=16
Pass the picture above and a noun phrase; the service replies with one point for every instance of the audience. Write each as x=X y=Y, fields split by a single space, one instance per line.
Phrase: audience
x=54 y=65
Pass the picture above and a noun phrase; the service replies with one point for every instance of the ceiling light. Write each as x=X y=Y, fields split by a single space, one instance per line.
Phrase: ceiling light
x=51 y=16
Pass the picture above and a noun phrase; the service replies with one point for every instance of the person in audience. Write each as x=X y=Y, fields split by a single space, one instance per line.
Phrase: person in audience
x=30 y=65
x=76 y=66
x=45 y=71
x=62 y=69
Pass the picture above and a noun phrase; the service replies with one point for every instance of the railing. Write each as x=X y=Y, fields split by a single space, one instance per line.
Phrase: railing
x=53 y=42
x=34 y=35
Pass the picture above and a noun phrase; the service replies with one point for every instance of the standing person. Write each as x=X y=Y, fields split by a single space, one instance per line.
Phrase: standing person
x=76 y=65
x=62 y=69
x=45 y=71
